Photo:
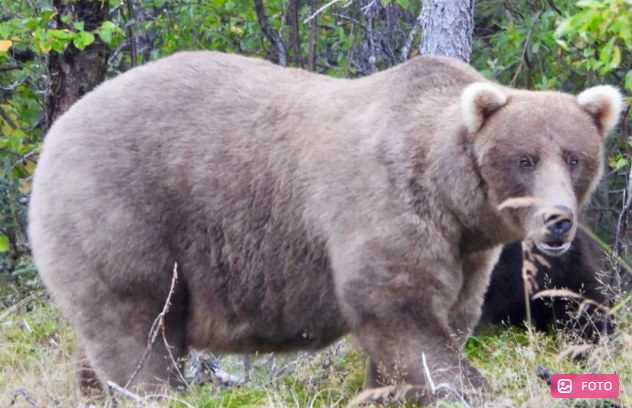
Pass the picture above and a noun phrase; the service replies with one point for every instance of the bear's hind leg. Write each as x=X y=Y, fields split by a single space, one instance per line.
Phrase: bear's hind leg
x=87 y=380
x=117 y=343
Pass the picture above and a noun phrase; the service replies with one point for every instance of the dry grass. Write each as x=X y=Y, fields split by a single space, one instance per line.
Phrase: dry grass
x=36 y=370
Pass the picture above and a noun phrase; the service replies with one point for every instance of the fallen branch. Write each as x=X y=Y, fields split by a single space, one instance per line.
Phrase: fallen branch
x=439 y=387
x=202 y=364
x=143 y=400
x=26 y=396
x=383 y=395
x=115 y=387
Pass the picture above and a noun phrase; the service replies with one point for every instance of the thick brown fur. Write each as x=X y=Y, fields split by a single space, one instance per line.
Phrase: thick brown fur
x=298 y=207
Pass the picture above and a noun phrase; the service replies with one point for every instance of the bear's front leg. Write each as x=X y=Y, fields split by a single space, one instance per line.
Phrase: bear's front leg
x=396 y=299
x=466 y=311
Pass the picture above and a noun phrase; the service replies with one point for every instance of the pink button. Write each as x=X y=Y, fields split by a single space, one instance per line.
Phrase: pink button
x=584 y=385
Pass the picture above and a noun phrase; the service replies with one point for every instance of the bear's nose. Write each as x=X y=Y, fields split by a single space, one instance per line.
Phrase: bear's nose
x=559 y=223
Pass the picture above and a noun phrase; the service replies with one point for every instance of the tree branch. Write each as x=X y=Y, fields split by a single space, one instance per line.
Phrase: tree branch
x=525 y=49
x=408 y=45
x=323 y=8
x=272 y=36
x=6 y=68
x=7 y=119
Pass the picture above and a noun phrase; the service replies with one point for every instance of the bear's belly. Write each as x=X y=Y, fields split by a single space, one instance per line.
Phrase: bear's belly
x=310 y=324
x=277 y=305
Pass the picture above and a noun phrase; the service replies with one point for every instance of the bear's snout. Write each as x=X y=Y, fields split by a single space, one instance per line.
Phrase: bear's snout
x=558 y=231
x=561 y=223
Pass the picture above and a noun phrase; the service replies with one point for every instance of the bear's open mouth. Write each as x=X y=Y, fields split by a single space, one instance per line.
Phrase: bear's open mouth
x=553 y=247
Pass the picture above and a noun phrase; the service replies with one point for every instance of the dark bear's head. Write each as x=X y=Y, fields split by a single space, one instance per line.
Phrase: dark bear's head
x=544 y=146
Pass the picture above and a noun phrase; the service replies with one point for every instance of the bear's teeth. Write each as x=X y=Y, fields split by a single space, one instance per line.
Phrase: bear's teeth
x=553 y=247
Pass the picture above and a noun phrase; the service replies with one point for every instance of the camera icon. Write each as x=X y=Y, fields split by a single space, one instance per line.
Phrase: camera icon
x=564 y=386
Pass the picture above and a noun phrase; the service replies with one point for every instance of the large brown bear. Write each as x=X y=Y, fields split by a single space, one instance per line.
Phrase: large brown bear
x=300 y=207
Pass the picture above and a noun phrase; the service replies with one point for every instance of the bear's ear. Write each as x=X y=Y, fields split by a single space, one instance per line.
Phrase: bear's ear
x=604 y=103
x=478 y=101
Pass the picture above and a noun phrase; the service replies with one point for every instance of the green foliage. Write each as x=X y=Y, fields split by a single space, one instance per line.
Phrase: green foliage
x=602 y=30
x=599 y=35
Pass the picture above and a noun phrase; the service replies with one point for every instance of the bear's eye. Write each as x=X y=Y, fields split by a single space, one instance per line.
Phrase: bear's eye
x=526 y=162
x=573 y=161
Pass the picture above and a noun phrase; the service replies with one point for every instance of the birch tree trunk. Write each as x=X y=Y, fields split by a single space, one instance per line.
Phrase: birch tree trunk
x=447 y=27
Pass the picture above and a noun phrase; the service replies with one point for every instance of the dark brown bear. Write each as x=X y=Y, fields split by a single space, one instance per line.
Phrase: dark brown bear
x=581 y=270
x=300 y=207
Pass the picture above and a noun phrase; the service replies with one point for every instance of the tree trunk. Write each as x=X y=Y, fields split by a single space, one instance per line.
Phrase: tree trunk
x=74 y=73
x=447 y=27
x=295 y=33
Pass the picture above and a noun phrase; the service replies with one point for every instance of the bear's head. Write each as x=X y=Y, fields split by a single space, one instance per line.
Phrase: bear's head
x=544 y=149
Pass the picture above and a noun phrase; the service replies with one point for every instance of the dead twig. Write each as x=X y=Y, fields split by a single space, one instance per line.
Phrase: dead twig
x=158 y=326
x=570 y=294
x=143 y=400
x=205 y=368
x=323 y=8
x=123 y=391
x=384 y=395
x=408 y=45
x=525 y=49
x=573 y=351
x=518 y=202
x=26 y=395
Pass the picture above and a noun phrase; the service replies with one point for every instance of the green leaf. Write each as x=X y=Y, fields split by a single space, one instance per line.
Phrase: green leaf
x=385 y=2
x=106 y=36
x=87 y=38
x=4 y=243
x=628 y=80
x=108 y=25
x=616 y=57
x=78 y=25
x=404 y=3
x=78 y=42
x=621 y=162
x=61 y=34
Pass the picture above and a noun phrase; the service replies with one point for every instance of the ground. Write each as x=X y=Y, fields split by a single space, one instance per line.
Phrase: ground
x=35 y=368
